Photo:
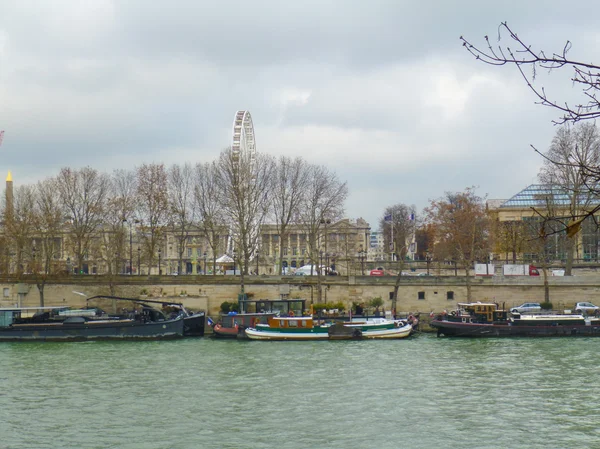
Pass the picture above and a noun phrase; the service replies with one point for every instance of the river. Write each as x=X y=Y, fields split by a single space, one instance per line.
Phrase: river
x=205 y=393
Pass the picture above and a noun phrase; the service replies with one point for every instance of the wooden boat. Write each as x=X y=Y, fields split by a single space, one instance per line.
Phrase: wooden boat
x=488 y=320
x=193 y=323
x=45 y=324
x=252 y=313
x=303 y=328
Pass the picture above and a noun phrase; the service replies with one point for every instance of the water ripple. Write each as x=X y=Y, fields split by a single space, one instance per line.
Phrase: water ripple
x=517 y=393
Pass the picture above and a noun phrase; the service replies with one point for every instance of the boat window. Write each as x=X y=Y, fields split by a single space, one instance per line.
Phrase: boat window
x=421 y=295
x=6 y=318
x=293 y=323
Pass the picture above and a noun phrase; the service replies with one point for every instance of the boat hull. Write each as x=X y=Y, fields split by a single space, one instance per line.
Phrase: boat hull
x=476 y=330
x=193 y=325
x=94 y=330
x=225 y=332
x=322 y=333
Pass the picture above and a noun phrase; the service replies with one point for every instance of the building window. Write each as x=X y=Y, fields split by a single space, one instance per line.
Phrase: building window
x=189 y=252
x=285 y=251
x=392 y=296
x=421 y=295
x=294 y=251
x=449 y=296
x=6 y=292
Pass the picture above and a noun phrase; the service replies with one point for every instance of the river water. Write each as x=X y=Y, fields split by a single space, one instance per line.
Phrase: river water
x=418 y=392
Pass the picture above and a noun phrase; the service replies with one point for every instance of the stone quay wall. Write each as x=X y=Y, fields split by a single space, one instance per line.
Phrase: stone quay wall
x=415 y=294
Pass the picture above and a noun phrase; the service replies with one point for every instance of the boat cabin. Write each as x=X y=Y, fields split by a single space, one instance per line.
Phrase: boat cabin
x=552 y=320
x=478 y=312
x=300 y=322
x=254 y=312
x=19 y=315
x=277 y=306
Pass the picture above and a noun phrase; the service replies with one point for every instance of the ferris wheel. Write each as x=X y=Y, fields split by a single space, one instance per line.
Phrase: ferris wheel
x=243 y=146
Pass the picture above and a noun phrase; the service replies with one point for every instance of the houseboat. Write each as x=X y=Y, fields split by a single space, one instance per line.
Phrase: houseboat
x=488 y=320
x=48 y=324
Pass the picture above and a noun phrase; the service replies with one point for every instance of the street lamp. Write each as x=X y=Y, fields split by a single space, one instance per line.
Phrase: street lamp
x=234 y=254
x=139 y=254
x=33 y=268
x=362 y=255
x=130 y=222
x=204 y=262
x=159 y=268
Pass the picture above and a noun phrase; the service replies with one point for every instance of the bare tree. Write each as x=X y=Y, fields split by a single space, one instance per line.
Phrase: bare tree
x=510 y=238
x=323 y=204
x=208 y=205
x=398 y=227
x=462 y=230
x=244 y=182
x=572 y=149
x=83 y=194
x=152 y=208
x=528 y=61
x=122 y=200
x=544 y=230
x=181 y=202
x=20 y=227
x=290 y=181
x=49 y=221
x=111 y=243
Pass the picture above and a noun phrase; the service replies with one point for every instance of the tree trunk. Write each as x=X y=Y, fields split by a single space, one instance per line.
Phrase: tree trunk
x=40 y=287
x=546 y=284
x=468 y=282
x=570 y=255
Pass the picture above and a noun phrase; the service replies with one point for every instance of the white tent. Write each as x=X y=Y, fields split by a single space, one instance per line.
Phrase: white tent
x=306 y=270
x=224 y=259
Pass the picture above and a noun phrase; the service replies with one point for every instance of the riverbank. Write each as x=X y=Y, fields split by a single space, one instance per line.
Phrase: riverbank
x=416 y=294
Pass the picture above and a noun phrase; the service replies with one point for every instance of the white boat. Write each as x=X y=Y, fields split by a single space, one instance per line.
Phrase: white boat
x=304 y=328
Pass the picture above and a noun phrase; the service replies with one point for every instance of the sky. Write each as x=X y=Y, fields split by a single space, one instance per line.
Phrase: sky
x=379 y=91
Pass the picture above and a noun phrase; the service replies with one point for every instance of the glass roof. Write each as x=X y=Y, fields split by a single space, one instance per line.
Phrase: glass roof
x=542 y=194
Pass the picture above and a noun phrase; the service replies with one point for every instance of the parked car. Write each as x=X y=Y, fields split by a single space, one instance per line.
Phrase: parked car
x=527 y=307
x=423 y=274
x=587 y=308
x=376 y=273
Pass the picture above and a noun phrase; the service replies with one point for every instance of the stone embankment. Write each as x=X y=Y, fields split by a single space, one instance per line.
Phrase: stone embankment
x=422 y=294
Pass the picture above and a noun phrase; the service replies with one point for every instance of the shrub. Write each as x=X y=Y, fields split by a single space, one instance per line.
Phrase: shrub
x=339 y=305
x=546 y=305
x=143 y=291
x=227 y=307
x=376 y=302
x=320 y=307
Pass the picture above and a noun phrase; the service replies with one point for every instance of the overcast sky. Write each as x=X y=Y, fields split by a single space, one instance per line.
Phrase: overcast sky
x=379 y=91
